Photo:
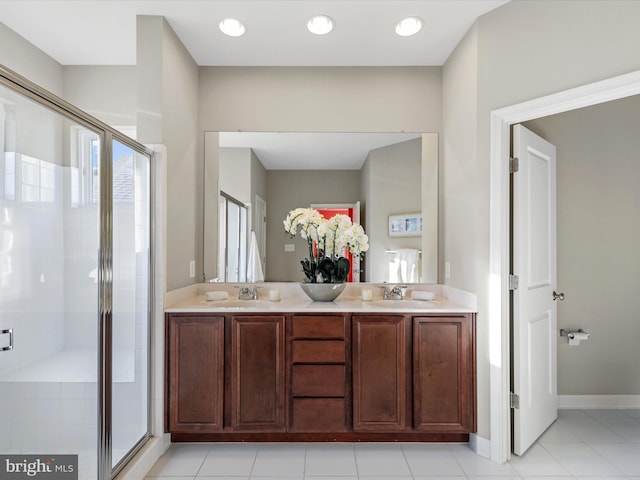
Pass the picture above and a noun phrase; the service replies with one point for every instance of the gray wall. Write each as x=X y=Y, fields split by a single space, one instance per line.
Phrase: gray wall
x=242 y=176
x=210 y=201
x=109 y=93
x=598 y=174
x=458 y=168
x=322 y=99
x=235 y=173
x=520 y=51
x=464 y=236
x=392 y=178
x=167 y=114
x=289 y=189
x=30 y=62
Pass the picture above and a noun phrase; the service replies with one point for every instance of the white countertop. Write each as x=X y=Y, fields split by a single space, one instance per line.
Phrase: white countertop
x=293 y=299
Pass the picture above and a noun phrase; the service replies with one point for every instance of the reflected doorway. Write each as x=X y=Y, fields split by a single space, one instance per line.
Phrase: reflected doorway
x=353 y=212
x=233 y=239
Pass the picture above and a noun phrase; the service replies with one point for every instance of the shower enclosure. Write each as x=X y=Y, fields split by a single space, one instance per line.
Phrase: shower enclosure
x=74 y=283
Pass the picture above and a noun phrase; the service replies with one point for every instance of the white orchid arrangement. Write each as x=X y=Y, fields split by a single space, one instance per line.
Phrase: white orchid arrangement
x=327 y=240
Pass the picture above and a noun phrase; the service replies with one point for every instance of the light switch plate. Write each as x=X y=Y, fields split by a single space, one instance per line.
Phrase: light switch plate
x=289 y=247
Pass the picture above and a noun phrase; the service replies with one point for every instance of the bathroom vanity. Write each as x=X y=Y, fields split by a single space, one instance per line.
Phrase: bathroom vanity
x=297 y=370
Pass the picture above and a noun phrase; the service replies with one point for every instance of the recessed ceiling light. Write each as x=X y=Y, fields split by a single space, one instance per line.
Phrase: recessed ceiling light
x=409 y=26
x=320 y=24
x=232 y=27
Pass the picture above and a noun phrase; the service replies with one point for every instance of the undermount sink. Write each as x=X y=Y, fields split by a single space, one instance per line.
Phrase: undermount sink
x=236 y=304
x=399 y=304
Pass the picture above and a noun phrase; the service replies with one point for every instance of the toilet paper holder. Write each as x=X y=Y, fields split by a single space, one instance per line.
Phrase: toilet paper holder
x=569 y=333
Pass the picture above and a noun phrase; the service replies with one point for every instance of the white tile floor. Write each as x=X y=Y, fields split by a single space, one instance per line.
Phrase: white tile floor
x=581 y=444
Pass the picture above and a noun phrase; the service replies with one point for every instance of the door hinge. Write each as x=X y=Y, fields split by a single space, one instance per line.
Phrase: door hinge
x=514 y=164
x=513 y=282
x=514 y=400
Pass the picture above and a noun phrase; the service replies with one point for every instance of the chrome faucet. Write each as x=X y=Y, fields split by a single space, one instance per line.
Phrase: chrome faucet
x=247 y=293
x=395 y=293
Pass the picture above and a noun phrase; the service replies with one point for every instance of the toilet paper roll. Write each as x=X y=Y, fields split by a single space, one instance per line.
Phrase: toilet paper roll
x=212 y=296
x=576 y=337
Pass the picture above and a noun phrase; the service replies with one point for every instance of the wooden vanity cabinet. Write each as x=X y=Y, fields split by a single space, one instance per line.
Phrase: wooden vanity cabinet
x=257 y=394
x=195 y=360
x=381 y=379
x=319 y=378
x=444 y=374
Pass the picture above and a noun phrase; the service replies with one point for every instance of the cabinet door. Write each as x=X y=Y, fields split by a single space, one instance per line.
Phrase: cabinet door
x=257 y=372
x=196 y=374
x=379 y=373
x=443 y=374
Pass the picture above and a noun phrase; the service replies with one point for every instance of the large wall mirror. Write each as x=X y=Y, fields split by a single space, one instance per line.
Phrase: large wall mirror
x=392 y=178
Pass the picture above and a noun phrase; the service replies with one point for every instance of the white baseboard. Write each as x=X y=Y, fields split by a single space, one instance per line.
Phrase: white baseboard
x=479 y=445
x=598 y=401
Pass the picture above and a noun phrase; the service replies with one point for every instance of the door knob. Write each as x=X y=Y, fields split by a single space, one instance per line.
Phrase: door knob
x=558 y=296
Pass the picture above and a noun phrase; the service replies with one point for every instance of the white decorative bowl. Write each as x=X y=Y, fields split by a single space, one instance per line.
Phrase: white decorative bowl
x=323 y=292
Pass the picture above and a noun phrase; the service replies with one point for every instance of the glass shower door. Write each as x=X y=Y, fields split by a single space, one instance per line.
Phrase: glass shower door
x=75 y=282
x=49 y=242
x=131 y=271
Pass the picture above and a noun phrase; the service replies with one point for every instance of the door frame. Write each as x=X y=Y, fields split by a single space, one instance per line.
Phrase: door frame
x=356 y=207
x=499 y=249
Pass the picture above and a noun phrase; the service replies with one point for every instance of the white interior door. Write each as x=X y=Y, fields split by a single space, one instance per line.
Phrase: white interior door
x=534 y=309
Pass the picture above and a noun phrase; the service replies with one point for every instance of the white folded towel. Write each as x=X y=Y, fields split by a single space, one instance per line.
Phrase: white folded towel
x=254 y=264
x=211 y=296
x=407 y=259
x=422 y=295
x=403 y=267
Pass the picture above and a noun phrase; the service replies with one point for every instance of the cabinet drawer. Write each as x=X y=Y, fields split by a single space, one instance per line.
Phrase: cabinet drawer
x=318 y=415
x=318 y=381
x=318 y=326
x=318 y=351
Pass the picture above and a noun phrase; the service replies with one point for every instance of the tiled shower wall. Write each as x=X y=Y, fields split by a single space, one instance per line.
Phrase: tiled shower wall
x=55 y=317
x=31 y=267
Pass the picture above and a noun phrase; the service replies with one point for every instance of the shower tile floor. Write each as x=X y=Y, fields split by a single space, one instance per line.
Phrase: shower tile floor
x=581 y=444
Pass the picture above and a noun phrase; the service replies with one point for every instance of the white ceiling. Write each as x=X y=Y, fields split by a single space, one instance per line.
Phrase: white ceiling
x=102 y=32
x=312 y=151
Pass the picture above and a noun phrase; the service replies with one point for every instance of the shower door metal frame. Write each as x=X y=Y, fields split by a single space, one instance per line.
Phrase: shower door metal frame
x=107 y=135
